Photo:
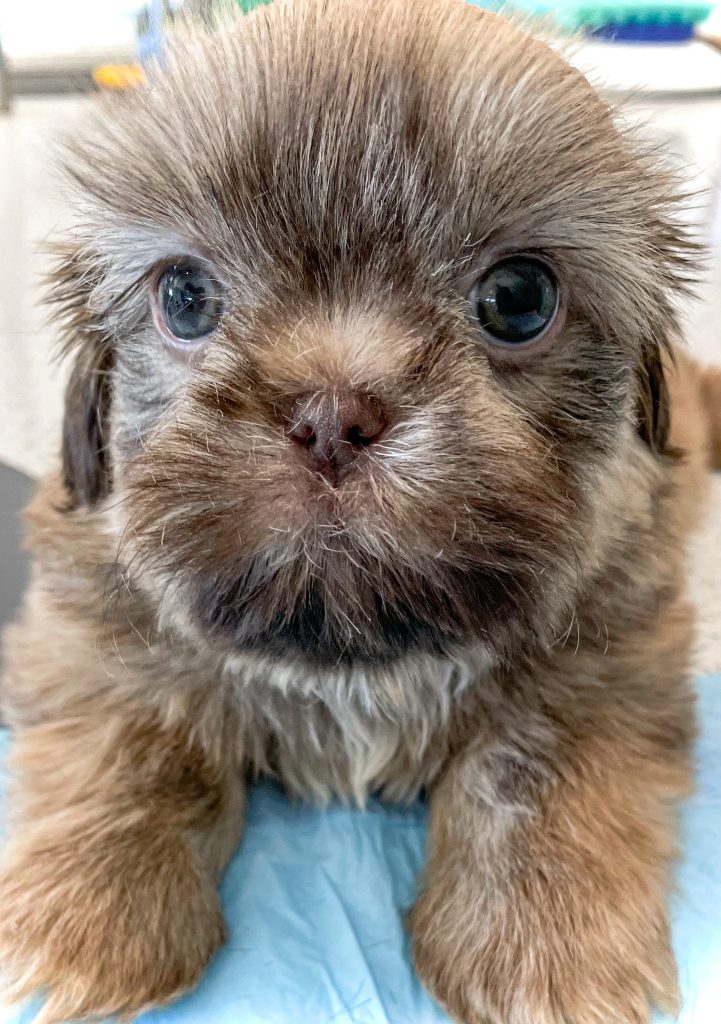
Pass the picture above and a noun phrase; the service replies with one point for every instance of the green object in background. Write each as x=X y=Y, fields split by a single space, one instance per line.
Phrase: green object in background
x=640 y=21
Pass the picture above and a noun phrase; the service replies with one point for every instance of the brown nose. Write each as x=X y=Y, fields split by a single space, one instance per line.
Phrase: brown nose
x=334 y=428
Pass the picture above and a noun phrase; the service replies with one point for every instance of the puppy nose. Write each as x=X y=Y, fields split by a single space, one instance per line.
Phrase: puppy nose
x=334 y=428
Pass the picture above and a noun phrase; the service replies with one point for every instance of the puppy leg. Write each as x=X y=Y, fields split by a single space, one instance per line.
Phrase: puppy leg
x=108 y=898
x=544 y=899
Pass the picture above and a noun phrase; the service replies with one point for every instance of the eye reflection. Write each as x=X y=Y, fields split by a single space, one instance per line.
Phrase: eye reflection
x=515 y=300
x=189 y=301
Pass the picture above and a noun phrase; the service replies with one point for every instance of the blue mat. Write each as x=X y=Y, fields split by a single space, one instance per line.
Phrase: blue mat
x=315 y=902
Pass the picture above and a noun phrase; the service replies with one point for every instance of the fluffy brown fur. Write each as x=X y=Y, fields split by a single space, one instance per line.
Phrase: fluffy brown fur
x=491 y=604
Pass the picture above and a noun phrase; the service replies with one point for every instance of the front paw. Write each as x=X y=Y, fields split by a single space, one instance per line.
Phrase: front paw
x=514 y=960
x=116 y=924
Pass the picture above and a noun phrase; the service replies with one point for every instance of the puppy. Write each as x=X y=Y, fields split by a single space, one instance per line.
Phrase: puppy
x=372 y=480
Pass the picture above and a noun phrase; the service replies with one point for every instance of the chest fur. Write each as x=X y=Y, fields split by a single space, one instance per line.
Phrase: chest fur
x=349 y=732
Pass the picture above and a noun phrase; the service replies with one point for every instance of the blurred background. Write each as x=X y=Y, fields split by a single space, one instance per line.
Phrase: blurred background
x=661 y=61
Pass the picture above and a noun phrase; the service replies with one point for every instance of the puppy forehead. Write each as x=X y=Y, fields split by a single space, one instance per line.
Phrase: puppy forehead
x=351 y=125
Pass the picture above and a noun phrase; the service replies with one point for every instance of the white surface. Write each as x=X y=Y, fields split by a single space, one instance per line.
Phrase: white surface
x=682 y=68
x=31 y=208
x=52 y=27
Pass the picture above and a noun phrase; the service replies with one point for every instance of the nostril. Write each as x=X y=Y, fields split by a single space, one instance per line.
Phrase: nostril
x=360 y=437
x=362 y=420
x=334 y=428
x=304 y=434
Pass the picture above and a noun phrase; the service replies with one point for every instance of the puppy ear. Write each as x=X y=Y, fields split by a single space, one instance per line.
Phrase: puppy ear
x=86 y=464
x=652 y=403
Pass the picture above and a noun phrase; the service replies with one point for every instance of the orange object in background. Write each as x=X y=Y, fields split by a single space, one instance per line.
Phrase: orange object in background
x=118 y=76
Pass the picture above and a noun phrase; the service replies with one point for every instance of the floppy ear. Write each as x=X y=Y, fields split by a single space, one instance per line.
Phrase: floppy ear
x=652 y=404
x=86 y=464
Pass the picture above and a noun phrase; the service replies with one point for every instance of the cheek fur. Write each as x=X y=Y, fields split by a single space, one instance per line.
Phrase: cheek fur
x=463 y=523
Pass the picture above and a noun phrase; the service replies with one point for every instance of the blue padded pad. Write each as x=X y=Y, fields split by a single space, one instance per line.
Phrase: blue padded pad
x=315 y=901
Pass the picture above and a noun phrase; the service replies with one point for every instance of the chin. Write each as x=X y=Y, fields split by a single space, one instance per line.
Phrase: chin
x=328 y=598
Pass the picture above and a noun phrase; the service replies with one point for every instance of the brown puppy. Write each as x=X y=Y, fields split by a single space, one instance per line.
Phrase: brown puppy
x=368 y=483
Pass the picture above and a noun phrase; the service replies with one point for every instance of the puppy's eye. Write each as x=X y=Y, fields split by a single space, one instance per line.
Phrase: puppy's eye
x=516 y=300
x=188 y=301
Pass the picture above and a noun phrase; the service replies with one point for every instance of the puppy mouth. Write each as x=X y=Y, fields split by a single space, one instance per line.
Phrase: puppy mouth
x=308 y=631
x=337 y=608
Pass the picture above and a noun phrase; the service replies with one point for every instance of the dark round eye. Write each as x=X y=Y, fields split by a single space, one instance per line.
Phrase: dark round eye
x=516 y=300
x=189 y=301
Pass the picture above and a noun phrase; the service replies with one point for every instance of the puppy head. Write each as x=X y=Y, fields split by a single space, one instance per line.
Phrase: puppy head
x=370 y=299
